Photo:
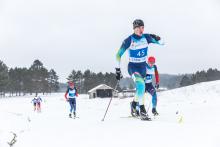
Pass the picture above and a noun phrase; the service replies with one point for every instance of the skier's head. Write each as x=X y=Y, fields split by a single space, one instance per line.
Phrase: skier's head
x=151 y=60
x=138 y=23
x=71 y=84
x=138 y=26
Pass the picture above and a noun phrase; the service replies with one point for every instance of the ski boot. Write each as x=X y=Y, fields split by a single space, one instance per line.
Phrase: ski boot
x=143 y=113
x=154 y=111
x=74 y=114
x=134 y=111
x=70 y=115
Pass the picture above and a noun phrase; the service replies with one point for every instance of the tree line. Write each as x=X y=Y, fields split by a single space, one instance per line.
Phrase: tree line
x=87 y=80
x=33 y=80
x=84 y=81
x=38 y=79
x=200 y=76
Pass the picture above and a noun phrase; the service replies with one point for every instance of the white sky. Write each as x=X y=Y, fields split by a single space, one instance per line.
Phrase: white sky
x=69 y=34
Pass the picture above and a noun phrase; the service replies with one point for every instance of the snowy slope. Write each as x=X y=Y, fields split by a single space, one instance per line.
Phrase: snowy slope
x=189 y=117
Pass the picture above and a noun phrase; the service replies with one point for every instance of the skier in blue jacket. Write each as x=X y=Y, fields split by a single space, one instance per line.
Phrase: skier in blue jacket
x=70 y=96
x=137 y=46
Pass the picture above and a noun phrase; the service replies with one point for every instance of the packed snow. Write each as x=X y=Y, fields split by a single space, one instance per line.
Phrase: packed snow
x=189 y=117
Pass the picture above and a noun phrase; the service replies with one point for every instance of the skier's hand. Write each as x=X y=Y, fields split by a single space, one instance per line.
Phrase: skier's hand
x=157 y=38
x=157 y=85
x=118 y=74
x=67 y=99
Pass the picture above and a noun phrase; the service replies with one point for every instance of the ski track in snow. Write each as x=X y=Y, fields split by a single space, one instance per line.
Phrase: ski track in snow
x=189 y=117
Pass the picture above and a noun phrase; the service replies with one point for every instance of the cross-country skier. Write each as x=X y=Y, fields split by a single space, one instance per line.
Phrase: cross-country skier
x=34 y=101
x=152 y=70
x=137 y=45
x=37 y=103
x=70 y=97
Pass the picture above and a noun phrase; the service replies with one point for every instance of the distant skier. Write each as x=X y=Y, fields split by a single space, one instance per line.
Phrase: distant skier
x=70 y=97
x=152 y=70
x=34 y=102
x=137 y=45
x=37 y=103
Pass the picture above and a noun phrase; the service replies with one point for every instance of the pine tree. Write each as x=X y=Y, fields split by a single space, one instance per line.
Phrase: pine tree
x=39 y=76
x=186 y=81
x=4 y=79
x=53 y=81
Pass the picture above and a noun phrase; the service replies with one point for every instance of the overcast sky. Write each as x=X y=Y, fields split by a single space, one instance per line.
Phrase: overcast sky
x=69 y=34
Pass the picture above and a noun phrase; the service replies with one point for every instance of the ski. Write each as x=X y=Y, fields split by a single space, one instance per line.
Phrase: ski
x=136 y=118
x=74 y=117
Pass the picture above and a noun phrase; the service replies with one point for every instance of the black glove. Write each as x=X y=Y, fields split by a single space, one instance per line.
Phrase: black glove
x=157 y=38
x=157 y=86
x=118 y=74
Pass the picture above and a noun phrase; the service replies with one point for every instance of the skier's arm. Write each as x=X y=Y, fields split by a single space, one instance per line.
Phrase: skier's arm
x=66 y=94
x=156 y=75
x=152 y=38
x=126 y=43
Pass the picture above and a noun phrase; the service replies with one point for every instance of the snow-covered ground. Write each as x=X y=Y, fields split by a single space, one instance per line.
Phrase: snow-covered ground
x=189 y=117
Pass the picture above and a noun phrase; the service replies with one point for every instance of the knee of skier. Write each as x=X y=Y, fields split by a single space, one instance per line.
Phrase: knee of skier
x=153 y=92
x=139 y=81
x=140 y=89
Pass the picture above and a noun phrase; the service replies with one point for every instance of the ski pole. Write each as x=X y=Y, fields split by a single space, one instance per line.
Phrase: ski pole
x=110 y=100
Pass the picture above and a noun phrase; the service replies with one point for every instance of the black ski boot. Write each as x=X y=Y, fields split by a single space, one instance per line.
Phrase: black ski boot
x=70 y=115
x=134 y=111
x=143 y=113
x=74 y=114
x=154 y=111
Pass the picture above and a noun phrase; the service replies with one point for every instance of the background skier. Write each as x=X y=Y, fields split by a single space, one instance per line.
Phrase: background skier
x=149 y=87
x=70 y=97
